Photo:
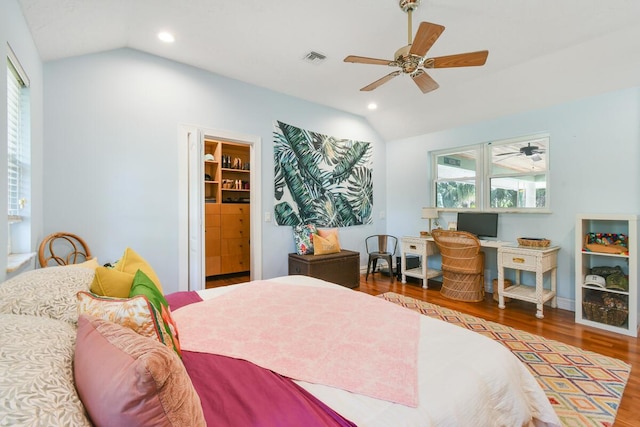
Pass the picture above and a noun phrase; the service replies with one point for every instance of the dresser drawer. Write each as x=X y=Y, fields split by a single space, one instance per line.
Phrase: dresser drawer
x=519 y=261
x=235 y=208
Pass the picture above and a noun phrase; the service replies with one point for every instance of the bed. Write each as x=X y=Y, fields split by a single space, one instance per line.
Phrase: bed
x=463 y=378
x=52 y=372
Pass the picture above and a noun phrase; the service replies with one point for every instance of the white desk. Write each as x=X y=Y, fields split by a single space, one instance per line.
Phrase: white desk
x=539 y=260
x=424 y=247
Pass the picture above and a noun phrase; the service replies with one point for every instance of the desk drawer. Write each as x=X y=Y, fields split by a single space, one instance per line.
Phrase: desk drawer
x=519 y=261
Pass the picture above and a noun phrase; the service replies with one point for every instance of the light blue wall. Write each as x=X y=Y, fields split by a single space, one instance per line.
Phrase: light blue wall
x=594 y=157
x=14 y=31
x=111 y=170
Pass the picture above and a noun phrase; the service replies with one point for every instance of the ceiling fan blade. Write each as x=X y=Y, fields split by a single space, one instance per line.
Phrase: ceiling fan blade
x=424 y=81
x=381 y=81
x=426 y=36
x=508 y=154
x=470 y=59
x=365 y=60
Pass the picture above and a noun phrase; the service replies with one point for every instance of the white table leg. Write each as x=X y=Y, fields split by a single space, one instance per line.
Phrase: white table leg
x=403 y=266
x=539 y=287
x=554 y=302
x=500 y=287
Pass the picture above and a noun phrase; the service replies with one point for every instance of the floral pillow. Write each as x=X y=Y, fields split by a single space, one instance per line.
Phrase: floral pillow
x=303 y=238
x=135 y=313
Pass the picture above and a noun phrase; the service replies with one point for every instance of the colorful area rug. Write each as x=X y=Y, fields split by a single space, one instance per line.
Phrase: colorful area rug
x=584 y=388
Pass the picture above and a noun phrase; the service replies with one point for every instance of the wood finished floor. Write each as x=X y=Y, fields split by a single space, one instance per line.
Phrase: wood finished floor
x=557 y=325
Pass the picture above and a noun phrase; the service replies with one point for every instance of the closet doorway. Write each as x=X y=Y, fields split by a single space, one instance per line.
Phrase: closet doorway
x=223 y=199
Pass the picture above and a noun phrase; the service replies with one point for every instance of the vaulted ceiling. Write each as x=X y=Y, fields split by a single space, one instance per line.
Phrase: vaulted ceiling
x=541 y=52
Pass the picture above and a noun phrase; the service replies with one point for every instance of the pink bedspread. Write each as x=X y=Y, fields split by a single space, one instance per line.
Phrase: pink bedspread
x=235 y=392
x=334 y=337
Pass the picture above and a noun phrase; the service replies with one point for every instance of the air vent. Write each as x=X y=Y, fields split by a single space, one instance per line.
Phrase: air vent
x=314 y=57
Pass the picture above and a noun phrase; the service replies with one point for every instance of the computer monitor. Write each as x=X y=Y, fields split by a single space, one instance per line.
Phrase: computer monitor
x=482 y=224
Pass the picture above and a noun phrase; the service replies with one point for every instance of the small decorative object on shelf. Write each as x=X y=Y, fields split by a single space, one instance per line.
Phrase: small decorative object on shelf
x=608 y=243
x=535 y=242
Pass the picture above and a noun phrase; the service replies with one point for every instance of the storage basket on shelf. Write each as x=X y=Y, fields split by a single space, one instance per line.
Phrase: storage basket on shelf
x=608 y=309
x=609 y=243
x=534 y=242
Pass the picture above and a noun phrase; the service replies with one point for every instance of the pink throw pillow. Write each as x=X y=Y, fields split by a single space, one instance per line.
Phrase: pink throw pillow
x=124 y=378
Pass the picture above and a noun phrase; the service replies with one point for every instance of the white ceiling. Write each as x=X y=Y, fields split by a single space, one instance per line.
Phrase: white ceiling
x=540 y=52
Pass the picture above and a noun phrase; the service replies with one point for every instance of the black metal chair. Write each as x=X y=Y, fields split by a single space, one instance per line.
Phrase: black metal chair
x=381 y=246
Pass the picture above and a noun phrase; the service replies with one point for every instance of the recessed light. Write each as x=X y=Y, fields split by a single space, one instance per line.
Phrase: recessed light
x=372 y=106
x=166 y=37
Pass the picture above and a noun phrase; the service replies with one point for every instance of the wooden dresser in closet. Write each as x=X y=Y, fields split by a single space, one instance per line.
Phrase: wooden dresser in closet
x=235 y=225
x=213 y=264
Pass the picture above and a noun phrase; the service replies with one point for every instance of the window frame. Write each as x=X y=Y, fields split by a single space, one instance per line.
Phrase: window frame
x=484 y=175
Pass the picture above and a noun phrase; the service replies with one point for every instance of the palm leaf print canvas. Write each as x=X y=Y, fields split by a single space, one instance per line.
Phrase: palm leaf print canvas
x=321 y=179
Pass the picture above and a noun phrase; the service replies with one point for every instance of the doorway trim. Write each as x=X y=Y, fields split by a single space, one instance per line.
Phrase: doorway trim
x=191 y=254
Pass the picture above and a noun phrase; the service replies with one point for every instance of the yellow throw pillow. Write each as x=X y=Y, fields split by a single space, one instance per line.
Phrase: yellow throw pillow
x=328 y=232
x=131 y=262
x=110 y=282
x=324 y=246
x=91 y=263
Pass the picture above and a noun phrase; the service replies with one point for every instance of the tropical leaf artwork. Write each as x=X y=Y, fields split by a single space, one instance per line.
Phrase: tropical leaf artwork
x=321 y=179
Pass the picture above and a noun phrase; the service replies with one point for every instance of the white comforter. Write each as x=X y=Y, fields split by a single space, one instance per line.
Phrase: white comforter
x=464 y=379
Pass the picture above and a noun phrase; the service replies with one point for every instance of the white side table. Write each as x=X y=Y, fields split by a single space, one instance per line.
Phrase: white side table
x=422 y=247
x=538 y=260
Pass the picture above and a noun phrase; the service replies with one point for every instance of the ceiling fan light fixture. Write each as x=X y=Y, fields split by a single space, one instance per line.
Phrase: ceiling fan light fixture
x=409 y=5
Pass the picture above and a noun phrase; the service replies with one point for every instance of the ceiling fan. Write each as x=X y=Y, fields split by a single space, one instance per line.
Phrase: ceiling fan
x=411 y=58
x=528 y=150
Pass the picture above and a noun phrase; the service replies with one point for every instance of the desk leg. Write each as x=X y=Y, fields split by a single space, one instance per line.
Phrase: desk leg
x=403 y=266
x=425 y=268
x=500 y=287
x=554 y=302
x=539 y=288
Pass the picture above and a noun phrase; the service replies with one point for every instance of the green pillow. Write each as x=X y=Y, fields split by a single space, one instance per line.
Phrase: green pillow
x=143 y=285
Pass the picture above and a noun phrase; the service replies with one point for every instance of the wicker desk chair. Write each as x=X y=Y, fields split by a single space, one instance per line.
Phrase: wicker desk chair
x=462 y=265
x=380 y=246
x=62 y=249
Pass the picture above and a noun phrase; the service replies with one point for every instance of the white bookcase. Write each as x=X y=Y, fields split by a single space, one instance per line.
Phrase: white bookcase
x=586 y=260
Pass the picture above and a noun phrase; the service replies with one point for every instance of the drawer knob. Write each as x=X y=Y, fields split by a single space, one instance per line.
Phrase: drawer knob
x=414 y=247
x=518 y=260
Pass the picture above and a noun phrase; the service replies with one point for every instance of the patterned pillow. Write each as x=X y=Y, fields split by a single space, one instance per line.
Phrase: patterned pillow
x=302 y=236
x=125 y=379
x=137 y=314
x=47 y=292
x=36 y=372
x=143 y=285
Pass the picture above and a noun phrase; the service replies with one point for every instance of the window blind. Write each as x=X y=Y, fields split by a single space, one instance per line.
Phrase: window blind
x=15 y=86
